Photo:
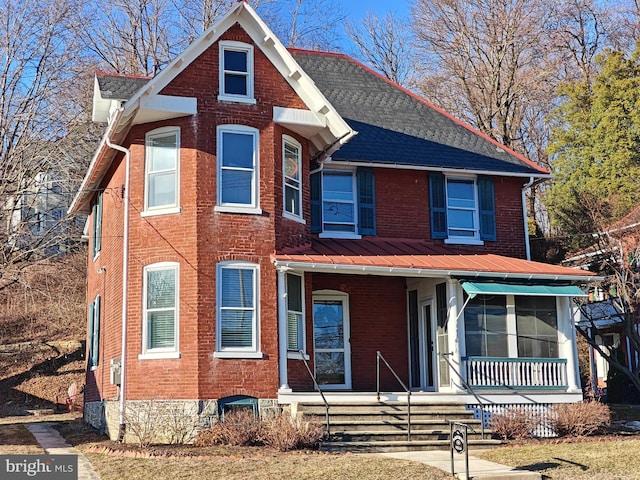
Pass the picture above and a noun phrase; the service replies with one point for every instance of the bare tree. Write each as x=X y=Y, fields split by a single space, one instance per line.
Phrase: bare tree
x=37 y=58
x=385 y=44
x=312 y=24
x=130 y=36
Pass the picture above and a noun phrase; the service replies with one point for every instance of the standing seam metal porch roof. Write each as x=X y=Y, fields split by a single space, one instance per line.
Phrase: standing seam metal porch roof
x=416 y=257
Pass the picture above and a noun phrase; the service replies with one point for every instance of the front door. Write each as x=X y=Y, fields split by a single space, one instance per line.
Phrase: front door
x=332 y=355
x=427 y=349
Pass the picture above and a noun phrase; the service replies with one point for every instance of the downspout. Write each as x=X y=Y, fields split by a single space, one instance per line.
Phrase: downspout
x=125 y=281
x=527 y=185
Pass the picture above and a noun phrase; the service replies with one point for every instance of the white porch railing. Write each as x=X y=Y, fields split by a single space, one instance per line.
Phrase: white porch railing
x=516 y=373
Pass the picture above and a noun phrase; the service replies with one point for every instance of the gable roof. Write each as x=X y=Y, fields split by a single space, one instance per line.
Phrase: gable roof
x=147 y=104
x=397 y=127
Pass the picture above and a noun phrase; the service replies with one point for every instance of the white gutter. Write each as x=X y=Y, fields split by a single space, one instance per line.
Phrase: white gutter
x=424 y=272
x=402 y=166
x=125 y=280
x=524 y=215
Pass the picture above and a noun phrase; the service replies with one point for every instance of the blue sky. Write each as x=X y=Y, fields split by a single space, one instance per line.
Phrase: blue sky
x=358 y=8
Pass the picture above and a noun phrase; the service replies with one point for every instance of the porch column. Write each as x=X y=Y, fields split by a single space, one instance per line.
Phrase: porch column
x=456 y=334
x=568 y=345
x=282 y=333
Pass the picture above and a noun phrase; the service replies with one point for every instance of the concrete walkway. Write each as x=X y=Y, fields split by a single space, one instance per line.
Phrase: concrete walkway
x=54 y=444
x=478 y=468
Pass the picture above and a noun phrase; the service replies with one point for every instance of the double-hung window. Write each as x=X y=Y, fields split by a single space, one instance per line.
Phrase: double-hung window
x=343 y=203
x=94 y=333
x=462 y=208
x=238 y=169
x=161 y=170
x=237 y=312
x=96 y=234
x=292 y=177
x=160 y=310
x=236 y=72
x=295 y=313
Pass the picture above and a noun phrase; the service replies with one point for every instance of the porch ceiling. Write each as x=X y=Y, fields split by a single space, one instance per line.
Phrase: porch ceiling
x=408 y=257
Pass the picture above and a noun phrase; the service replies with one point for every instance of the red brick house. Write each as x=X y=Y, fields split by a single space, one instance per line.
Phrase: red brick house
x=252 y=207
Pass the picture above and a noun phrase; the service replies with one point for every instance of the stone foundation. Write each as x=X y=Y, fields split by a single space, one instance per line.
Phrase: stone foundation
x=161 y=421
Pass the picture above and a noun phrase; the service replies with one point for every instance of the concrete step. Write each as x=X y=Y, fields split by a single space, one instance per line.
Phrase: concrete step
x=400 y=445
x=390 y=435
x=395 y=424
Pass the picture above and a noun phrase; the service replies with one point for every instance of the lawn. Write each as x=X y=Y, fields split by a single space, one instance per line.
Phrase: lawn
x=610 y=459
x=16 y=439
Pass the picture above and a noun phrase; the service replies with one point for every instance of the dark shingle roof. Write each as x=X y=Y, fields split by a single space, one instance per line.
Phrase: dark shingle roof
x=395 y=127
x=119 y=87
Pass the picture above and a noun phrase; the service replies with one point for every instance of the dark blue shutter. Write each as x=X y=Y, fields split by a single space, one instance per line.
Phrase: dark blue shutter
x=438 y=205
x=316 y=202
x=366 y=201
x=487 y=209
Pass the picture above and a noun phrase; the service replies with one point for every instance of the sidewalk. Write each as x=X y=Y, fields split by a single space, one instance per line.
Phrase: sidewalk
x=53 y=443
x=478 y=468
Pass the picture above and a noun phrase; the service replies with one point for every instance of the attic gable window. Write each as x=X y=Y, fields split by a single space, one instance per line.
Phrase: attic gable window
x=462 y=209
x=236 y=72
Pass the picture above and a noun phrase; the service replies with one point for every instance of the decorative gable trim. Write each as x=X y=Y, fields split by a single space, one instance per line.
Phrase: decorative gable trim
x=336 y=131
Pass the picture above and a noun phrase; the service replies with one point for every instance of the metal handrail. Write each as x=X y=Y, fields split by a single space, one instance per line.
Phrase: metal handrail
x=378 y=358
x=317 y=387
x=469 y=389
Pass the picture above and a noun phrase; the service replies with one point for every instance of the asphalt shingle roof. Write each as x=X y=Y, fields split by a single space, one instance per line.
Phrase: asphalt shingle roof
x=397 y=127
x=119 y=87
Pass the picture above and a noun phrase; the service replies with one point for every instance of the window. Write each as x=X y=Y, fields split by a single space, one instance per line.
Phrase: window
x=236 y=72
x=343 y=203
x=295 y=313
x=160 y=311
x=238 y=169
x=462 y=208
x=292 y=175
x=161 y=169
x=485 y=323
x=537 y=327
x=94 y=333
x=96 y=214
x=237 y=315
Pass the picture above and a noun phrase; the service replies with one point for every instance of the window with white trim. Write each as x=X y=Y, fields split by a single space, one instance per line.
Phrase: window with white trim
x=237 y=169
x=160 y=309
x=343 y=203
x=485 y=326
x=237 y=313
x=295 y=313
x=161 y=169
x=236 y=72
x=462 y=208
x=537 y=326
x=292 y=176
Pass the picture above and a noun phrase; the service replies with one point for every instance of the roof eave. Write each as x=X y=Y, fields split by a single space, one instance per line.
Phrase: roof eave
x=422 y=272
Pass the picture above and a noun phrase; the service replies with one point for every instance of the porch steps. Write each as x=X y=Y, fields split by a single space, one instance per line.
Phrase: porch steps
x=382 y=426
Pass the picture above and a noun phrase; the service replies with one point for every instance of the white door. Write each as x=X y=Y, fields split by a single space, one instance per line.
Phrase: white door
x=427 y=347
x=332 y=355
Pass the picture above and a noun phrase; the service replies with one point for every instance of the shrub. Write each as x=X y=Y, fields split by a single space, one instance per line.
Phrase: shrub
x=580 y=419
x=279 y=432
x=514 y=423
x=283 y=433
x=241 y=427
